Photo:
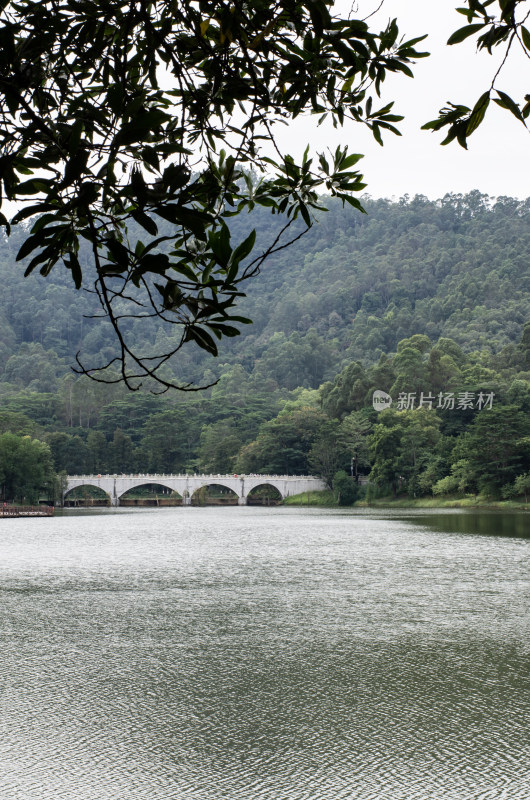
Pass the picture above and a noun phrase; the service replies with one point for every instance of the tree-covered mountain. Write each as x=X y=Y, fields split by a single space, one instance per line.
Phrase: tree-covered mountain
x=352 y=288
x=457 y=267
x=414 y=296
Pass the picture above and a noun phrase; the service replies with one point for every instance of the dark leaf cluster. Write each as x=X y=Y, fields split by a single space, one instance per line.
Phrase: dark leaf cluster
x=495 y=24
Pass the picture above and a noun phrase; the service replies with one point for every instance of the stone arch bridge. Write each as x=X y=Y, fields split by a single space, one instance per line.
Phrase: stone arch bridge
x=186 y=485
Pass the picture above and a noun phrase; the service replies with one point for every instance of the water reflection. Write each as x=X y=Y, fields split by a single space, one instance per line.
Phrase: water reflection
x=472 y=522
x=263 y=653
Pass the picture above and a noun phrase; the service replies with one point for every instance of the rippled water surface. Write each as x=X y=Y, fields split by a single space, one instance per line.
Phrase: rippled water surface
x=208 y=654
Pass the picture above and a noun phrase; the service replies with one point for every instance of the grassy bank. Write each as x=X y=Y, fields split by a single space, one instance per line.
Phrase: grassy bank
x=326 y=499
x=469 y=501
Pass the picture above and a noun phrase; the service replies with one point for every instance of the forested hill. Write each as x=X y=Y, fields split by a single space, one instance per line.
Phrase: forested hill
x=459 y=267
x=351 y=289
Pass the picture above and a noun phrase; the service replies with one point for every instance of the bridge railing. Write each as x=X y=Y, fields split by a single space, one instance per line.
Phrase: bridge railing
x=190 y=475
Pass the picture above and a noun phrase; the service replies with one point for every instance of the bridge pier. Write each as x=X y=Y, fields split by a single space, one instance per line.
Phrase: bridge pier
x=114 y=499
x=241 y=501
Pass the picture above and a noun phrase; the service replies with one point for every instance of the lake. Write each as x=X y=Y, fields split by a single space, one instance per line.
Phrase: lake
x=265 y=654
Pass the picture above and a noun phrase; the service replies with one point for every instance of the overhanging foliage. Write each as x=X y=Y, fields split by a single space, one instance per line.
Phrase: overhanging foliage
x=115 y=113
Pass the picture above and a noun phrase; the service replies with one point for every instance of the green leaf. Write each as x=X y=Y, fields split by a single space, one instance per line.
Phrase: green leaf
x=187 y=217
x=29 y=211
x=175 y=176
x=323 y=163
x=146 y=222
x=319 y=15
x=141 y=124
x=33 y=186
x=184 y=269
x=117 y=253
x=463 y=33
x=75 y=267
x=152 y=263
x=413 y=42
x=150 y=156
x=377 y=134
x=305 y=214
x=478 y=113
x=4 y=223
x=220 y=329
x=75 y=167
x=508 y=8
x=220 y=245
x=242 y=320
x=352 y=202
x=525 y=35
x=50 y=254
x=349 y=161
x=202 y=338
x=506 y=101
x=157 y=263
x=245 y=248
x=30 y=244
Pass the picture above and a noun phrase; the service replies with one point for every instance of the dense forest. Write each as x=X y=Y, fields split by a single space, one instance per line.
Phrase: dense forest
x=419 y=299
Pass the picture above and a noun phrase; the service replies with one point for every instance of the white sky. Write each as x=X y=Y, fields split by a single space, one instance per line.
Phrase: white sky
x=497 y=160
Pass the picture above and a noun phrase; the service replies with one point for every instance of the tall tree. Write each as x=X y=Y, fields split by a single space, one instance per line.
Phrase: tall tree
x=70 y=453
x=165 y=440
x=97 y=452
x=283 y=444
x=353 y=433
x=506 y=430
x=402 y=444
x=327 y=453
x=25 y=468
x=220 y=445
x=122 y=456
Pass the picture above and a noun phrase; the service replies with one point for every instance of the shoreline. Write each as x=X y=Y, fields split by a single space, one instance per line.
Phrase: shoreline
x=326 y=499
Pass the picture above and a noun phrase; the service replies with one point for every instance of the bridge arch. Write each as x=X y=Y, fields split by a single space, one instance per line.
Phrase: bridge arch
x=214 y=492
x=264 y=493
x=160 y=494
x=82 y=491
